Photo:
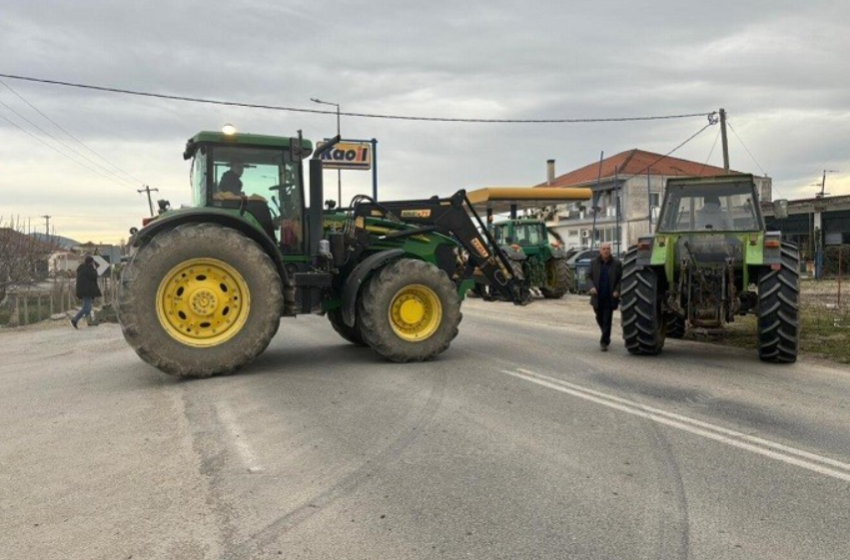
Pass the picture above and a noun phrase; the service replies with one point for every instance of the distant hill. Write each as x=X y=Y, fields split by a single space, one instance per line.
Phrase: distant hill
x=63 y=242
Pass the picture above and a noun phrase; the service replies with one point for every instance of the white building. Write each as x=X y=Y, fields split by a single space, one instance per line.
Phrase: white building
x=626 y=186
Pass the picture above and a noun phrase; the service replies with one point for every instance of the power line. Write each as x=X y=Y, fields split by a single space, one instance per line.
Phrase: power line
x=363 y=115
x=64 y=144
x=745 y=147
x=34 y=108
x=711 y=151
x=711 y=122
x=60 y=152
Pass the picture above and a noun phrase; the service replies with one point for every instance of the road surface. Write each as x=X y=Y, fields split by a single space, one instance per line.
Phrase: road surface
x=521 y=441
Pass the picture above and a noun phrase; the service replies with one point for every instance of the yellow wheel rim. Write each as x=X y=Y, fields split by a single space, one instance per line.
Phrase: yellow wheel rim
x=415 y=313
x=203 y=302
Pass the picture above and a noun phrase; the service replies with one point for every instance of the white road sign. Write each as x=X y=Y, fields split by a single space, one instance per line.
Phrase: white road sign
x=102 y=265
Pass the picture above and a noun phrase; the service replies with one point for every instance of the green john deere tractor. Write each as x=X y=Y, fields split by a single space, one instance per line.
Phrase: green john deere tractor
x=543 y=264
x=206 y=286
x=709 y=261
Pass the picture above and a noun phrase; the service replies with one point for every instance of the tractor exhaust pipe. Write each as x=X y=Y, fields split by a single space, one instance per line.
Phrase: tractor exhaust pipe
x=314 y=213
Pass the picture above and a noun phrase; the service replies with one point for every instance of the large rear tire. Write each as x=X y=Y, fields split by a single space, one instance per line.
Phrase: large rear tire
x=640 y=307
x=409 y=311
x=351 y=334
x=778 y=309
x=200 y=300
x=559 y=279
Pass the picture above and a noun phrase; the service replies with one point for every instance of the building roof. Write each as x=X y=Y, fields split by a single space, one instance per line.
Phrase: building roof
x=635 y=162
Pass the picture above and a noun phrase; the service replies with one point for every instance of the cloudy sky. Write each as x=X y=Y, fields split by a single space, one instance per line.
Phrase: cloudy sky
x=778 y=67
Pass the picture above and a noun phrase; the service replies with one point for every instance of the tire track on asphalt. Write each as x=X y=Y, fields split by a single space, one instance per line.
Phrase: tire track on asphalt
x=253 y=545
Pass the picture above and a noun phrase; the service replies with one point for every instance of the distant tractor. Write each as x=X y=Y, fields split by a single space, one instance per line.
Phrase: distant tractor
x=543 y=264
x=206 y=286
x=710 y=260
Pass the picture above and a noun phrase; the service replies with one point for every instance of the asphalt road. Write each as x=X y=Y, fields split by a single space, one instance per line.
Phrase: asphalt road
x=522 y=441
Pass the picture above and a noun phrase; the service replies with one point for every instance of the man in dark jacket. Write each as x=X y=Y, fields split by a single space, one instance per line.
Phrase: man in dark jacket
x=231 y=180
x=605 y=275
x=87 y=290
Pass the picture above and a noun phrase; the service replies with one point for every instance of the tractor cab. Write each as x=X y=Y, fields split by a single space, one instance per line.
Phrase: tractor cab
x=530 y=233
x=727 y=206
x=258 y=175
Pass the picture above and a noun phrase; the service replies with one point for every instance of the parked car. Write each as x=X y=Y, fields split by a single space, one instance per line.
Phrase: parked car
x=579 y=262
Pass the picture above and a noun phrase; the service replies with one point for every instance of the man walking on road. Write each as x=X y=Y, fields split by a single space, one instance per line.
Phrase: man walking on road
x=605 y=275
x=87 y=290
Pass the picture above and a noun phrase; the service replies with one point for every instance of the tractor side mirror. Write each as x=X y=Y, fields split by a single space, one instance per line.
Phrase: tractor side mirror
x=780 y=209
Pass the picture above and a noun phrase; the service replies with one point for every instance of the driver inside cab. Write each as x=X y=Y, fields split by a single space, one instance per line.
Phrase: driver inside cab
x=231 y=181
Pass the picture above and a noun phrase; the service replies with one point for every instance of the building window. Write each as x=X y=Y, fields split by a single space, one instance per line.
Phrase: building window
x=654 y=199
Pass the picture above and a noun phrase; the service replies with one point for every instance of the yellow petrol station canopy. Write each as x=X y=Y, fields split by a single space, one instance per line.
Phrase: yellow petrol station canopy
x=500 y=199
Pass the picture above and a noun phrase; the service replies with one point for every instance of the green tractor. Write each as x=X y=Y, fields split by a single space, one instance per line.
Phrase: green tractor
x=543 y=264
x=709 y=261
x=207 y=285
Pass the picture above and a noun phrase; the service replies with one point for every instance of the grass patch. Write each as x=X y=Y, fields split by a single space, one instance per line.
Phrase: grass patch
x=824 y=332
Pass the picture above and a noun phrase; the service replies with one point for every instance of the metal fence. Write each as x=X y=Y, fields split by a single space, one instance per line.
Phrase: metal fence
x=26 y=305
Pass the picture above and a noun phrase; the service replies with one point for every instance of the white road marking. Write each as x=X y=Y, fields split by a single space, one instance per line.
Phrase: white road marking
x=789 y=455
x=249 y=459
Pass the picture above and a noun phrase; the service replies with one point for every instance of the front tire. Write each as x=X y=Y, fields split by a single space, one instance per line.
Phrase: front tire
x=778 y=309
x=409 y=311
x=200 y=300
x=643 y=322
x=559 y=279
x=351 y=334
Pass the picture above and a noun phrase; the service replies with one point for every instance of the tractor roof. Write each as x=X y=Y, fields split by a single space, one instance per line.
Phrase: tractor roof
x=500 y=199
x=242 y=139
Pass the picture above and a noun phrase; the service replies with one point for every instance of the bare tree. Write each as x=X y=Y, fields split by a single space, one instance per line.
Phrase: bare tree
x=23 y=258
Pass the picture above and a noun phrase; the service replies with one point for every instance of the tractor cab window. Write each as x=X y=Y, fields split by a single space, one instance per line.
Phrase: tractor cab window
x=710 y=208
x=268 y=180
x=529 y=235
x=524 y=235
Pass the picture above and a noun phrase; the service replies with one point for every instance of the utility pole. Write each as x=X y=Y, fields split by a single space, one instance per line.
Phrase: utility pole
x=148 y=190
x=47 y=225
x=724 y=141
x=823 y=182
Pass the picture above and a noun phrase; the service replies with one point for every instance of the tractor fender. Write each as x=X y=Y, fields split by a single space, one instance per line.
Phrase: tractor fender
x=226 y=219
x=558 y=252
x=358 y=276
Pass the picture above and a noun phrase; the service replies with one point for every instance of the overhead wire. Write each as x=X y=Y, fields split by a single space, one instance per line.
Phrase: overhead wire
x=349 y=114
x=88 y=159
x=57 y=125
x=58 y=151
x=711 y=122
x=745 y=147
x=710 y=152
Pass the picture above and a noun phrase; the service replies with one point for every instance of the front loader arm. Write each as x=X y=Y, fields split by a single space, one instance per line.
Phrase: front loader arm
x=451 y=217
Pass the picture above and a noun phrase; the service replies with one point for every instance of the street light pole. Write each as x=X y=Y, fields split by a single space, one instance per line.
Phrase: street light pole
x=338 y=133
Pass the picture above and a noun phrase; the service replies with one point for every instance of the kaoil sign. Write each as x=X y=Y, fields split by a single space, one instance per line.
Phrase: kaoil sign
x=348 y=155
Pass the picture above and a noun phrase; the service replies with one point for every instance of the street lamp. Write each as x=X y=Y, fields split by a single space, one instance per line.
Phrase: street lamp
x=823 y=182
x=338 y=171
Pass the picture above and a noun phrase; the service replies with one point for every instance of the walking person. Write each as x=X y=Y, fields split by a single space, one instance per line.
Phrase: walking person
x=605 y=275
x=87 y=290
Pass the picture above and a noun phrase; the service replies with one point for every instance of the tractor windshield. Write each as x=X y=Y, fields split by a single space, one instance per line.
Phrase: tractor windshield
x=524 y=235
x=266 y=177
x=710 y=208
